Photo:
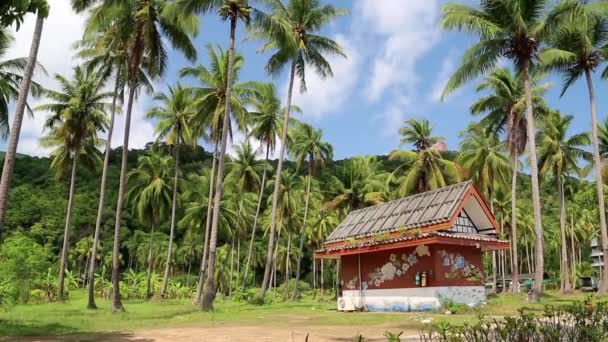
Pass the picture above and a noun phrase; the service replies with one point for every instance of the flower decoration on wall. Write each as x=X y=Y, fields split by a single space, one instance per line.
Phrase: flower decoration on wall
x=396 y=266
x=459 y=267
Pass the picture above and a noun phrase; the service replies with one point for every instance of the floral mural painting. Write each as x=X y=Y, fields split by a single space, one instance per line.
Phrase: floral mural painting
x=396 y=266
x=459 y=267
x=352 y=284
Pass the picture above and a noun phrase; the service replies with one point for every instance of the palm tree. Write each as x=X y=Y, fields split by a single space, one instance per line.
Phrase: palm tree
x=307 y=147
x=559 y=155
x=150 y=196
x=191 y=247
x=78 y=114
x=504 y=108
x=579 y=48
x=291 y=31
x=42 y=11
x=174 y=120
x=211 y=103
x=10 y=78
x=146 y=24
x=358 y=183
x=426 y=168
x=514 y=30
x=266 y=114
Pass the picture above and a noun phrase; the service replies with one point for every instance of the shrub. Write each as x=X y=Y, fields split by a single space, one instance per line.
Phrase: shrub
x=580 y=321
x=302 y=287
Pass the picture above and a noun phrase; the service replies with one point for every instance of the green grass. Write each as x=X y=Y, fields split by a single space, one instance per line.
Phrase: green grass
x=73 y=317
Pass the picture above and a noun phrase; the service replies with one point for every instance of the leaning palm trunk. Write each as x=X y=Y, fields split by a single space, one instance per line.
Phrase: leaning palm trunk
x=207 y=303
x=102 y=196
x=598 y=182
x=150 y=263
x=537 y=288
x=302 y=235
x=514 y=266
x=201 y=274
x=11 y=149
x=163 y=290
x=562 y=225
x=255 y=220
x=277 y=188
x=68 y=228
x=494 y=271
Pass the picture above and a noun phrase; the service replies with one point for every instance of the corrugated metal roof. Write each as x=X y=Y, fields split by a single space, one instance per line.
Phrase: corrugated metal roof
x=420 y=210
x=368 y=243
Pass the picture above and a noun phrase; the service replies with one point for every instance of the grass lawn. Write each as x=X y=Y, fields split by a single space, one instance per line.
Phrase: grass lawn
x=73 y=317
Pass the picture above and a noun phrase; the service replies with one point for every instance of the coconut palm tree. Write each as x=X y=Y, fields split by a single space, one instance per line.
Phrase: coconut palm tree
x=211 y=103
x=308 y=148
x=42 y=11
x=174 y=116
x=426 y=168
x=514 y=30
x=358 y=183
x=266 y=125
x=559 y=156
x=11 y=71
x=77 y=115
x=150 y=197
x=504 y=114
x=577 y=49
x=147 y=25
x=291 y=32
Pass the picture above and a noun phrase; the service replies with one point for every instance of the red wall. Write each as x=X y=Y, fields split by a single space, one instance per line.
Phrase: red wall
x=463 y=267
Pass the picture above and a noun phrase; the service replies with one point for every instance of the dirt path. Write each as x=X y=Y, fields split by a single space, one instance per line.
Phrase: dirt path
x=236 y=333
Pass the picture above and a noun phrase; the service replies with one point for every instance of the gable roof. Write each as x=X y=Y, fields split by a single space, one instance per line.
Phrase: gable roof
x=426 y=209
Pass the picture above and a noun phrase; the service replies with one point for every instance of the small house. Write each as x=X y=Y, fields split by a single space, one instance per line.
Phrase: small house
x=415 y=253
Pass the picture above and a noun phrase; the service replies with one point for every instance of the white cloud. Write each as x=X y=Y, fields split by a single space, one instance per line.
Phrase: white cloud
x=326 y=96
x=240 y=137
x=448 y=66
x=61 y=29
x=408 y=31
x=392 y=117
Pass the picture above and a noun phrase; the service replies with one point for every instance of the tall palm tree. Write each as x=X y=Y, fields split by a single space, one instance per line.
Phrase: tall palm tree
x=150 y=196
x=559 y=156
x=77 y=115
x=147 y=25
x=514 y=30
x=42 y=11
x=209 y=122
x=308 y=148
x=11 y=76
x=174 y=116
x=504 y=109
x=291 y=32
x=426 y=168
x=266 y=126
x=577 y=49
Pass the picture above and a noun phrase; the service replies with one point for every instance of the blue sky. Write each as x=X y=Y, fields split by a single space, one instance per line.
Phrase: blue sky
x=398 y=62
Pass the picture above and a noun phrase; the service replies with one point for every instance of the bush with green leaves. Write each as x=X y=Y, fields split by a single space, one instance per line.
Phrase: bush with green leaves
x=579 y=321
x=23 y=262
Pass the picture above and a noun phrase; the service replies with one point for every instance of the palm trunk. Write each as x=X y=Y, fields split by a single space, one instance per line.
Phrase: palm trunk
x=514 y=256
x=286 y=292
x=134 y=63
x=255 y=220
x=321 y=284
x=231 y=275
x=502 y=271
x=277 y=188
x=314 y=278
x=11 y=150
x=572 y=252
x=189 y=269
x=562 y=225
x=303 y=233
x=494 y=271
x=238 y=259
x=537 y=290
x=149 y=275
x=598 y=182
x=68 y=228
x=102 y=195
x=172 y=231
x=528 y=258
x=201 y=274
x=207 y=304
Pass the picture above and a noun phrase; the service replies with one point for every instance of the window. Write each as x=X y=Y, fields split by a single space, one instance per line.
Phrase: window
x=464 y=224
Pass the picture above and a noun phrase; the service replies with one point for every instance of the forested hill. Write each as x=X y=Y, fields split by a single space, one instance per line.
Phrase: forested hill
x=38 y=199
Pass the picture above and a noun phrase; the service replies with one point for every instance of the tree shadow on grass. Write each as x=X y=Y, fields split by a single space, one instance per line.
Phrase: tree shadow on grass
x=11 y=331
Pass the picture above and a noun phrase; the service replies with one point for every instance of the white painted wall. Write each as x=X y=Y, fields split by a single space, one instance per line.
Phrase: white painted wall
x=410 y=299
